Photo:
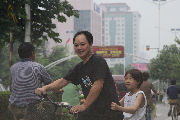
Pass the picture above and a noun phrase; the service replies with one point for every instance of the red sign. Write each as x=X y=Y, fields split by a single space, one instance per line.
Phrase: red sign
x=109 y=51
x=141 y=66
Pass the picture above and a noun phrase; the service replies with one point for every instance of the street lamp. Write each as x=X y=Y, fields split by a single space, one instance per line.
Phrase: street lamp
x=159 y=3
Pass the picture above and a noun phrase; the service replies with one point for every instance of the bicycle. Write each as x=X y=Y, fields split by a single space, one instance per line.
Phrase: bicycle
x=47 y=109
x=174 y=112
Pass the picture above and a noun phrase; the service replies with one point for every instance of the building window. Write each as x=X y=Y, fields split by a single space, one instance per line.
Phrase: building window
x=113 y=9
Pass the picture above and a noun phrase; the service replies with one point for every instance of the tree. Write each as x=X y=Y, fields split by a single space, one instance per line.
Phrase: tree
x=13 y=17
x=41 y=57
x=59 y=70
x=129 y=67
x=4 y=64
x=166 y=65
x=177 y=40
x=118 y=69
x=8 y=20
x=42 y=14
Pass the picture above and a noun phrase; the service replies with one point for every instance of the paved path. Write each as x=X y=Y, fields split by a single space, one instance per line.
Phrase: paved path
x=162 y=111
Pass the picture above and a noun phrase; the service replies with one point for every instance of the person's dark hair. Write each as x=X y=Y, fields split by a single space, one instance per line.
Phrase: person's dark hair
x=173 y=82
x=25 y=50
x=136 y=74
x=87 y=34
x=145 y=76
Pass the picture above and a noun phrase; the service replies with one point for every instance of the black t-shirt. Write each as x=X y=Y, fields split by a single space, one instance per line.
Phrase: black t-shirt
x=86 y=74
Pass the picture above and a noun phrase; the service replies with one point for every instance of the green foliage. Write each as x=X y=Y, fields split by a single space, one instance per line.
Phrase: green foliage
x=42 y=14
x=71 y=94
x=4 y=64
x=166 y=66
x=177 y=40
x=8 y=19
x=118 y=69
x=4 y=101
x=61 y=69
x=41 y=57
x=4 y=98
x=129 y=67
x=5 y=114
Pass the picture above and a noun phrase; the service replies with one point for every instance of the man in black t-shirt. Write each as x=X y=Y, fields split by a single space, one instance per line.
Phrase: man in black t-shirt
x=97 y=84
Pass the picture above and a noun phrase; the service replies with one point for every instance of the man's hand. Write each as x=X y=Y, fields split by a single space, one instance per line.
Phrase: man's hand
x=39 y=91
x=78 y=108
x=60 y=91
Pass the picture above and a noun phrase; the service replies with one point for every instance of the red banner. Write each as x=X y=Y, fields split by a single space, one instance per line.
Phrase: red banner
x=109 y=51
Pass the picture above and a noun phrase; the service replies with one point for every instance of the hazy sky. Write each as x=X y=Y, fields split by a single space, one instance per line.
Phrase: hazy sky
x=169 y=18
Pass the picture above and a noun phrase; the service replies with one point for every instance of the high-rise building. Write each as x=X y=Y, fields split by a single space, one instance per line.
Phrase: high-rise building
x=89 y=19
x=120 y=27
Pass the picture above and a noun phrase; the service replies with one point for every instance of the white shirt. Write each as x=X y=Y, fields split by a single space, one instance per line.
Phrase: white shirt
x=129 y=102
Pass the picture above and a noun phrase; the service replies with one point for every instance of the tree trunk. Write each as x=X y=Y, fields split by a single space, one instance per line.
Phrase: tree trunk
x=28 y=23
x=10 y=55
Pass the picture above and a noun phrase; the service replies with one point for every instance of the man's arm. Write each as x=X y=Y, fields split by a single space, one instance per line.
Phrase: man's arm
x=153 y=89
x=45 y=77
x=167 y=91
x=56 y=85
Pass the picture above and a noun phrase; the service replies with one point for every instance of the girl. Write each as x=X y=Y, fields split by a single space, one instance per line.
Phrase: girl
x=133 y=104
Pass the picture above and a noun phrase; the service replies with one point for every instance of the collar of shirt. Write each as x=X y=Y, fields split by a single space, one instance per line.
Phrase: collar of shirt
x=26 y=59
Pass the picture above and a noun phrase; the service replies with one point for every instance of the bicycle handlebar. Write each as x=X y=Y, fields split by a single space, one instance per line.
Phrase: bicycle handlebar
x=59 y=104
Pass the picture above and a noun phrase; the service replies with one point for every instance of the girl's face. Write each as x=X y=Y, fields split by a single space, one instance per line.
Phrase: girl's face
x=130 y=82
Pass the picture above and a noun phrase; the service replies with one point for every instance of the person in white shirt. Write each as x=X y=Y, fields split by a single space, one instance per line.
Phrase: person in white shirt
x=133 y=104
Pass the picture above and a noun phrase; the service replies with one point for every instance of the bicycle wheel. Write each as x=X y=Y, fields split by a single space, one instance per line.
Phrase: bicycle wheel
x=175 y=113
x=172 y=112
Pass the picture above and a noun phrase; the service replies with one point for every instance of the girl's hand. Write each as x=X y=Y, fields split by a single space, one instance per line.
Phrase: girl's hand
x=114 y=106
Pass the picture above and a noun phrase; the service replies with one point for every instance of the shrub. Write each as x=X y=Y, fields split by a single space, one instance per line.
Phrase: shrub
x=5 y=114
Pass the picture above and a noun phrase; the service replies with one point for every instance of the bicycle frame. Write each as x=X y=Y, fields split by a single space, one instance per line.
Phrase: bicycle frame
x=60 y=105
x=47 y=109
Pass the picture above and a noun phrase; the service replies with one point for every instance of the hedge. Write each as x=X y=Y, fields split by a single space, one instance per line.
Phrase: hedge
x=5 y=114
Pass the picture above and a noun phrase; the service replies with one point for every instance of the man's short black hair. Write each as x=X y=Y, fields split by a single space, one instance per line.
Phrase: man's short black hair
x=87 y=34
x=136 y=74
x=173 y=82
x=25 y=50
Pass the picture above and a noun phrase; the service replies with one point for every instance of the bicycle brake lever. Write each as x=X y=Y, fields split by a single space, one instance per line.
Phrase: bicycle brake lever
x=44 y=94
